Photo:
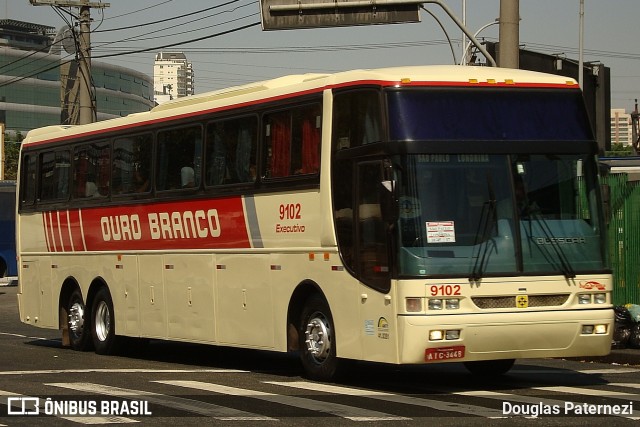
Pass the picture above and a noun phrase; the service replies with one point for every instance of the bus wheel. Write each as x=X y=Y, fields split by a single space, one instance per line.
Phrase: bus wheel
x=78 y=322
x=103 y=325
x=488 y=368
x=317 y=340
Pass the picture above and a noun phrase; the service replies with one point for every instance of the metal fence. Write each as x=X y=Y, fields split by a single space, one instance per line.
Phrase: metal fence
x=624 y=237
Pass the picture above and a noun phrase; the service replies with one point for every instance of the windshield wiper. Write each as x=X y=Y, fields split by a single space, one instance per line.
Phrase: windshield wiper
x=485 y=223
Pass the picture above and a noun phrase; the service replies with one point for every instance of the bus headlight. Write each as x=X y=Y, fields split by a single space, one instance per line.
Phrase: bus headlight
x=600 y=298
x=452 y=304
x=413 y=305
x=584 y=299
x=435 y=304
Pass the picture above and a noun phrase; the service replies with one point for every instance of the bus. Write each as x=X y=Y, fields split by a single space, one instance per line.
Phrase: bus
x=8 y=266
x=405 y=215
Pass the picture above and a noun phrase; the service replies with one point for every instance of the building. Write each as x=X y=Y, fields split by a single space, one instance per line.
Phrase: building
x=173 y=76
x=30 y=88
x=621 y=131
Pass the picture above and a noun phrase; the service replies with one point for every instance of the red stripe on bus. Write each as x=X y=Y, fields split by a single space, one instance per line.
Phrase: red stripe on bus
x=53 y=231
x=63 y=224
x=75 y=230
x=45 y=224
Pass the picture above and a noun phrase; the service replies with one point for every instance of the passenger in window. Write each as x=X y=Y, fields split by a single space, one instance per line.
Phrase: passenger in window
x=141 y=181
x=91 y=189
x=187 y=177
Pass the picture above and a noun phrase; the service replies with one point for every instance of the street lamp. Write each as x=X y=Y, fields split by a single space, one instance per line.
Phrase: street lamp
x=467 y=48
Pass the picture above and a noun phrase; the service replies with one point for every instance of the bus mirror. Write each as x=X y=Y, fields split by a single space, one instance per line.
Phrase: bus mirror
x=389 y=201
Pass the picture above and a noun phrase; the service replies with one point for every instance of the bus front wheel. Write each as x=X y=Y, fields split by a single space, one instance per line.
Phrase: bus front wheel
x=78 y=322
x=103 y=325
x=489 y=368
x=317 y=340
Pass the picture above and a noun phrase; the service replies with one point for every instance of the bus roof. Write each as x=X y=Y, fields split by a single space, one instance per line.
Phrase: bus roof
x=283 y=87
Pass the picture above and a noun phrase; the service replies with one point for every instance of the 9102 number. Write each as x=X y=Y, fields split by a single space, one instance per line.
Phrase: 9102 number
x=290 y=211
x=445 y=290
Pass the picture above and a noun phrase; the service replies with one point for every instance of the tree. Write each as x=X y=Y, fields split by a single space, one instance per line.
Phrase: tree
x=618 y=150
x=11 y=156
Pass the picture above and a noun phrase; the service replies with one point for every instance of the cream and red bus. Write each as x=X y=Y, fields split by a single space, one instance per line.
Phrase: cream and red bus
x=406 y=215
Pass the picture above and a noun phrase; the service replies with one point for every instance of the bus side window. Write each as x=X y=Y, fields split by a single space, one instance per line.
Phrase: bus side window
x=178 y=149
x=293 y=142
x=54 y=184
x=91 y=170
x=132 y=164
x=357 y=119
x=230 y=151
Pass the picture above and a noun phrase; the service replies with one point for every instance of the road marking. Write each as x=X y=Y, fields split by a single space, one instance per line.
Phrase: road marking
x=30 y=406
x=591 y=392
x=565 y=371
x=609 y=371
x=190 y=405
x=122 y=371
x=396 y=398
x=344 y=411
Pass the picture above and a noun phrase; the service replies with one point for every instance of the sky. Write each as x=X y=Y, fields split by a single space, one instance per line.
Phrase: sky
x=239 y=56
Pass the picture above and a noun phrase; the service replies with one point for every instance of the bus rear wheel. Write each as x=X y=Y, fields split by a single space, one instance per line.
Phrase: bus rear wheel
x=103 y=325
x=317 y=341
x=78 y=322
x=489 y=368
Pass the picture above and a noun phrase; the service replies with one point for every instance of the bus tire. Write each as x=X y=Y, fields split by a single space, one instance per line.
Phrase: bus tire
x=103 y=326
x=489 y=368
x=317 y=341
x=78 y=321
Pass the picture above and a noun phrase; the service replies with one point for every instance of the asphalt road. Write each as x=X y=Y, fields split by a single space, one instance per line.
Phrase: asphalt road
x=169 y=384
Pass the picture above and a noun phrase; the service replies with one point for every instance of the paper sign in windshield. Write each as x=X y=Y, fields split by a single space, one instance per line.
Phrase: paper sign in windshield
x=441 y=232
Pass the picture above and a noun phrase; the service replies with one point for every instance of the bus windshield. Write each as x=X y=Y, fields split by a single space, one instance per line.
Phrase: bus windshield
x=477 y=214
x=496 y=181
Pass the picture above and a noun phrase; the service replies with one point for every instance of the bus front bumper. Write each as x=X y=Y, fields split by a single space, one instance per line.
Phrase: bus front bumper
x=513 y=335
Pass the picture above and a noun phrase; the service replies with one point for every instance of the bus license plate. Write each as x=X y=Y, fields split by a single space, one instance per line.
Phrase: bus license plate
x=444 y=353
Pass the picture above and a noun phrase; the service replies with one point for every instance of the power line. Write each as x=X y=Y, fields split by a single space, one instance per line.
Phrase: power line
x=169 y=19
x=244 y=27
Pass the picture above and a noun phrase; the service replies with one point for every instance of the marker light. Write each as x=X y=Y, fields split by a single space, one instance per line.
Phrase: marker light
x=413 y=305
x=600 y=329
x=436 y=335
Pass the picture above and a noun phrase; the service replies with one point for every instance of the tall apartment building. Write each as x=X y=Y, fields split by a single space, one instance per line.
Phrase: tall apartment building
x=172 y=76
x=621 y=132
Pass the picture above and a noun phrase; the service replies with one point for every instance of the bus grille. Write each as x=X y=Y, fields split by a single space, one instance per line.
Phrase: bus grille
x=488 y=303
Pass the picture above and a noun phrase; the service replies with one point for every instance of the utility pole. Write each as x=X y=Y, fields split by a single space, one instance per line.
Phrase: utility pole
x=509 y=38
x=635 y=125
x=84 y=95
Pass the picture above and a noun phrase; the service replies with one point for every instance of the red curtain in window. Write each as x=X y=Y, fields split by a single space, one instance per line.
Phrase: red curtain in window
x=280 y=146
x=310 y=146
